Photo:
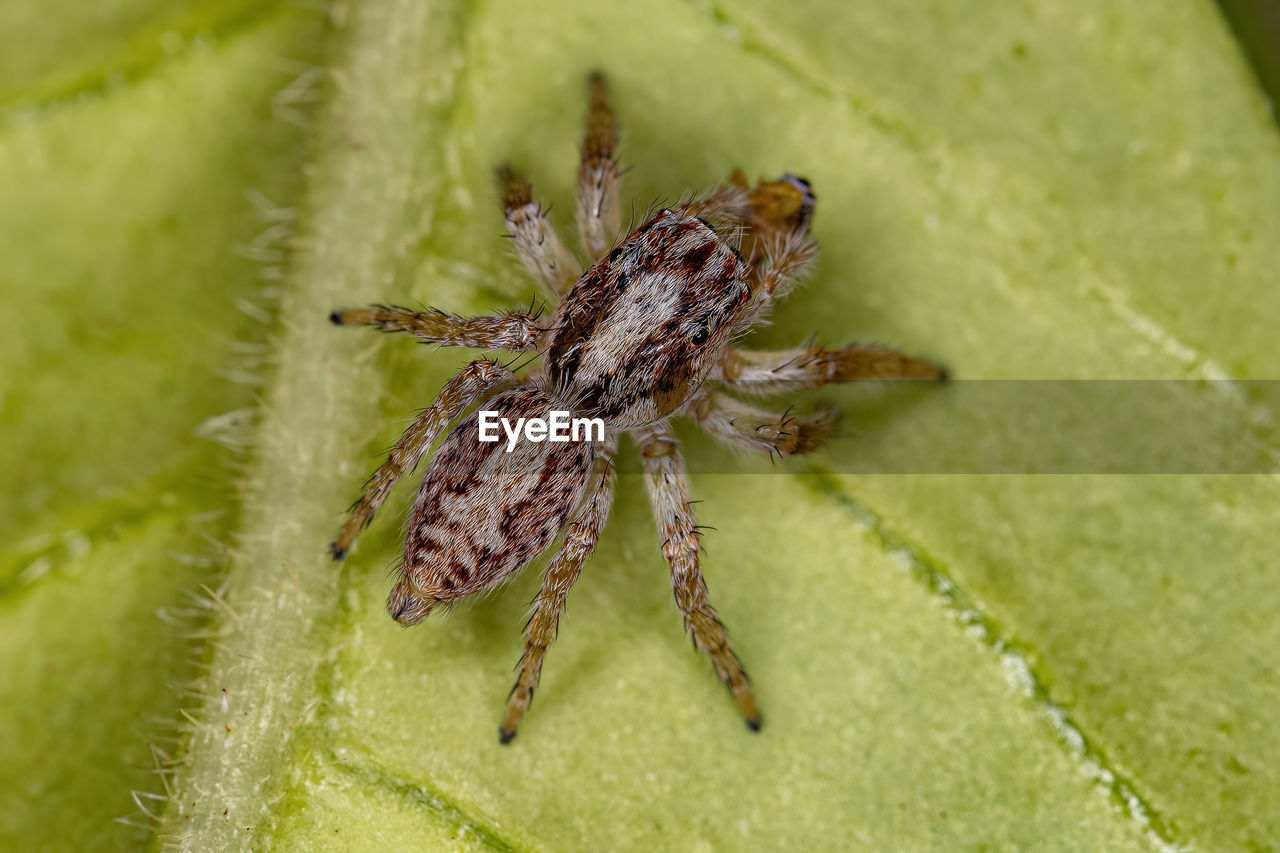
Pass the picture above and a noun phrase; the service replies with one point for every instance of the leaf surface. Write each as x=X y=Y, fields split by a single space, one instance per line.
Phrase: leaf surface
x=1044 y=191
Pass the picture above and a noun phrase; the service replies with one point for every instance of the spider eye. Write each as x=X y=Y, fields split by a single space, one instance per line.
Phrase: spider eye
x=701 y=334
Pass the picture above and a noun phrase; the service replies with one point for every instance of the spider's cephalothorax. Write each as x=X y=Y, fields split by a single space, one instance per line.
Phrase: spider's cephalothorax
x=639 y=337
x=644 y=325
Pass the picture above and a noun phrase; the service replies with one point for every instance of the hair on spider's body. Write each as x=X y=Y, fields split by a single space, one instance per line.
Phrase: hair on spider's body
x=639 y=335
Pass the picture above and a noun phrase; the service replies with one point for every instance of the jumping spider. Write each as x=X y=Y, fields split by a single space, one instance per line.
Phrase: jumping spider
x=640 y=337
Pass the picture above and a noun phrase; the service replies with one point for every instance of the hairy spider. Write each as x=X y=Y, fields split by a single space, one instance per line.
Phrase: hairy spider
x=638 y=338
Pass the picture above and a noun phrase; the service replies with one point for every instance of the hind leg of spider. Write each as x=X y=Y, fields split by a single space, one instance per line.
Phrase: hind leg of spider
x=476 y=381
x=536 y=241
x=514 y=331
x=778 y=371
x=579 y=541
x=599 y=208
x=741 y=425
x=668 y=488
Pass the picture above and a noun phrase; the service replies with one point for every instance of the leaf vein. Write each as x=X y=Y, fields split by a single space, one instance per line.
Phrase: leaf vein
x=1014 y=657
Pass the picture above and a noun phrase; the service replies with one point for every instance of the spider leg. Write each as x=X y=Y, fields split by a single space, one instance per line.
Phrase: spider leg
x=599 y=210
x=579 y=541
x=669 y=494
x=783 y=257
x=775 y=372
x=740 y=425
x=515 y=331
x=536 y=241
x=475 y=381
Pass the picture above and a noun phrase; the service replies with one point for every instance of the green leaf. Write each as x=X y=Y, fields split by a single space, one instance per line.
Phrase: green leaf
x=1048 y=191
x=131 y=340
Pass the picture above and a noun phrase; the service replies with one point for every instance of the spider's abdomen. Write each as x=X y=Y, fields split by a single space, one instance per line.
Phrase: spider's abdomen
x=483 y=513
x=643 y=326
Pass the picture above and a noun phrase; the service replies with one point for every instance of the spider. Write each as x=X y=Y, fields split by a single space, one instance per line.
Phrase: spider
x=641 y=336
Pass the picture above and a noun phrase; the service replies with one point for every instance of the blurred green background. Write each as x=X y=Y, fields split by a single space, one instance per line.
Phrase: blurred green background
x=1027 y=190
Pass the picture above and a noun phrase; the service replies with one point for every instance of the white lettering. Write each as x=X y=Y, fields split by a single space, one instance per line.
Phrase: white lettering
x=488 y=425
x=559 y=425
x=590 y=426
x=512 y=434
